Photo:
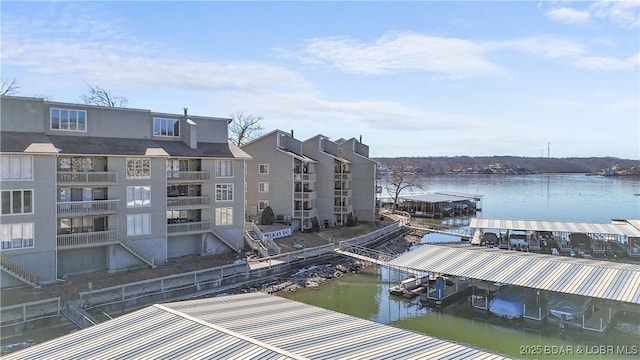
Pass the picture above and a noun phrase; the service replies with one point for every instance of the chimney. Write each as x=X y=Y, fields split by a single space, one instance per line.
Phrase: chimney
x=360 y=138
x=185 y=113
x=291 y=132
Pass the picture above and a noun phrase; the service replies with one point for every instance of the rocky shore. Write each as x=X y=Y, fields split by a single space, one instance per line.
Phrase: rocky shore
x=315 y=275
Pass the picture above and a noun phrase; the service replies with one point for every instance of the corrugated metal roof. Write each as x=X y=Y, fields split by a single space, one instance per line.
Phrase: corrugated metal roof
x=539 y=225
x=255 y=325
x=593 y=278
x=152 y=332
x=439 y=196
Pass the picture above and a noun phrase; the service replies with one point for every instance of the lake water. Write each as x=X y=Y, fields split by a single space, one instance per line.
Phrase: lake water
x=561 y=197
x=572 y=197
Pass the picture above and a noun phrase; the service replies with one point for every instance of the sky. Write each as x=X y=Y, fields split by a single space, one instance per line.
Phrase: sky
x=418 y=79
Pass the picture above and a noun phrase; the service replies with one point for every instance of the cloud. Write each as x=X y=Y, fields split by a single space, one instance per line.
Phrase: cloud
x=402 y=52
x=568 y=16
x=625 y=14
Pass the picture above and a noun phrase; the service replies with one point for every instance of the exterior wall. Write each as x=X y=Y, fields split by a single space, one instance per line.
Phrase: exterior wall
x=280 y=177
x=78 y=261
x=41 y=258
x=363 y=183
x=324 y=179
x=184 y=245
x=22 y=114
x=211 y=130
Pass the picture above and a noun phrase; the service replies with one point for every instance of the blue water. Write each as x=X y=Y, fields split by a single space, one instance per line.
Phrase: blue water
x=553 y=197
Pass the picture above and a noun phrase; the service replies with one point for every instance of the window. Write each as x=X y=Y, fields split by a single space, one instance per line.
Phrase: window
x=17 y=202
x=138 y=196
x=17 y=167
x=263 y=187
x=76 y=164
x=68 y=120
x=224 y=192
x=263 y=168
x=166 y=127
x=138 y=224
x=16 y=236
x=224 y=216
x=262 y=204
x=83 y=224
x=224 y=168
x=138 y=168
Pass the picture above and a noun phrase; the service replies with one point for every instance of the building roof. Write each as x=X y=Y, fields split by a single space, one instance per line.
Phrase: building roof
x=254 y=325
x=593 y=278
x=572 y=227
x=439 y=196
x=12 y=141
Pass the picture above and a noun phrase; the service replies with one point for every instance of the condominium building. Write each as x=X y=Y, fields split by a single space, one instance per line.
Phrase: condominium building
x=88 y=188
x=316 y=182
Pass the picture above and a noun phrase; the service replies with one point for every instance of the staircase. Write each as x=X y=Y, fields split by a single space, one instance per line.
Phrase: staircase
x=225 y=240
x=137 y=252
x=78 y=316
x=18 y=271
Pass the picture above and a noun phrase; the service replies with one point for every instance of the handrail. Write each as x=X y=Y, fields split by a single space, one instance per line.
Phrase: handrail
x=18 y=271
x=188 y=175
x=96 y=238
x=87 y=177
x=87 y=207
x=132 y=248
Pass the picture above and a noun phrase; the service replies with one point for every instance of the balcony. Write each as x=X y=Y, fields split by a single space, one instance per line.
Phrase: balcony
x=87 y=178
x=305 y=214
x=187 y=176
x=341 y=193
x=81 y=208
x=188 y=202
x=304 y=177
x=342 y=209
x=187 y=228
x=342 y=176
x=88 y=239
x=305 y=195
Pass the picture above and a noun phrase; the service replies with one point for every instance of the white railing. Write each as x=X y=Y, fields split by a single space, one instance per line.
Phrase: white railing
x=34 y=310
x=342 y=193
x=88 y=239
x=308 y=213
x=343 y=209
x=18 y=271
x=342 y=176
x=187 y=201
x=188 y=176
x=188 y=228
x=304 y=195
x=95 y=207
x=69 y=177
x=304 y=177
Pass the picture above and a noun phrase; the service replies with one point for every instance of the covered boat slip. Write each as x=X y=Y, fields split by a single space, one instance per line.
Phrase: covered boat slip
x=611 y=285
x=254 y=325
x=439 y=204
x=599 y=238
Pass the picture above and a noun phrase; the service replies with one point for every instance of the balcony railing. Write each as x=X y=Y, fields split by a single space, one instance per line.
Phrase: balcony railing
x=342 y=193
x=184 y=176
x=75 y=178
x=342 y=209
x=305 y=195
x=88 y=239
x=188 y=228
x=303 y=214
x=304 y=177
x=96 y=207
x=342 y=176
x=188 y=202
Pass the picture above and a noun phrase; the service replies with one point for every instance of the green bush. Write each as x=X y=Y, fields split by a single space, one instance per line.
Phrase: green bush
x=267 y=217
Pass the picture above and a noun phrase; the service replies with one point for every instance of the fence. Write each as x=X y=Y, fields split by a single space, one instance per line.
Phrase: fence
x=217 y=278
x=35 y=310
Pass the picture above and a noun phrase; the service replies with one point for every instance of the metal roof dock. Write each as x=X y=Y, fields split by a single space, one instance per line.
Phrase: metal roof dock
x=593 y=278
x=615 y=228
x=254 y=325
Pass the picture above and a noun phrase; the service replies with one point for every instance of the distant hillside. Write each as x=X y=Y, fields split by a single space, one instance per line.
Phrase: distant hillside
x=514 y=165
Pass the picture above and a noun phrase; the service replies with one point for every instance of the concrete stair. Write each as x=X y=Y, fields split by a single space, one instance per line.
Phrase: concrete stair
x=18 y=271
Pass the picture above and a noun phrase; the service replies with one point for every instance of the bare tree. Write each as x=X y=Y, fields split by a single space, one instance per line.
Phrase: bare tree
x=402 y=178
x=9 y=87
x=97 y=95
x=244 y=127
